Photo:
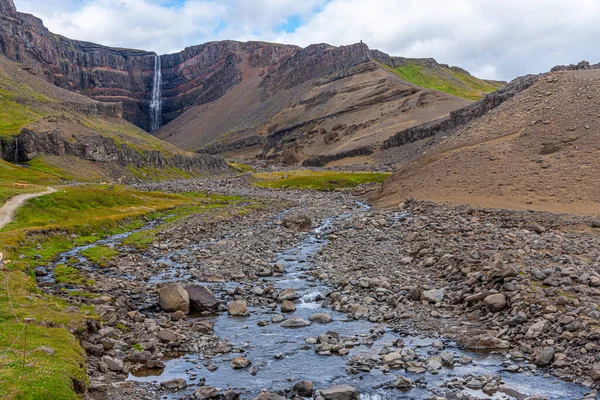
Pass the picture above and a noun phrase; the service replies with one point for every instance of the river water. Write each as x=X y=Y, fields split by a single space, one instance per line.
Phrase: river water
x=296 y=360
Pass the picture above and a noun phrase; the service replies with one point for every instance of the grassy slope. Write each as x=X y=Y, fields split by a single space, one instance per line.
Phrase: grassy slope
x=317 y=180
x=11 y=174
x=445 y=80
x=41 y=231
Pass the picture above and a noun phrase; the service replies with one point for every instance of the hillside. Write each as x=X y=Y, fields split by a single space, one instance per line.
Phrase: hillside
x=69 y=135
x=323 y=101
x=538 y=150
x=429 y=74
x=279 y=102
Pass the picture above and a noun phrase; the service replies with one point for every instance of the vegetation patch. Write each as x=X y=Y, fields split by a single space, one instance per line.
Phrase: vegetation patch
x=240 y=167
x=100 y=255
x=71 y=276
x=317 y=180
x=44 y=228
x=12 y=175
x=445 y=80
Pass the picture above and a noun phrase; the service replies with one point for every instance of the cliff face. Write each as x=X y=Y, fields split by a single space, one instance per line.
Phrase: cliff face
x=7 y=6
x=197 y=75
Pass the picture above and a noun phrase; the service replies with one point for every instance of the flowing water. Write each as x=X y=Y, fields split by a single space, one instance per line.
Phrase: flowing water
x=156 y=102
x=298 y=361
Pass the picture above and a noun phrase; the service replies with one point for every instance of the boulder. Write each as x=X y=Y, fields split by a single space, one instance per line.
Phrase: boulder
x=303 y=389
x=595 y=373
x=114 y=364
x=269 y=396
x=433 y=296
x=203 y=326
x=295 y=322
x=201 y=299
x=544 y=356
x=174 y=298
x=238 y=308
x=288 y=306
x=482 y=343
x=495 y=302
x=297 y=222
x=287 y=294
x=321 y=318
x=174 y=384
x=239 y=363
x=341 y=392
x=206 y=393
x=404 y=383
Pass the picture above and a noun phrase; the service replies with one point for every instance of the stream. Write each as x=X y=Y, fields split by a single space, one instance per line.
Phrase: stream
x=281 y=356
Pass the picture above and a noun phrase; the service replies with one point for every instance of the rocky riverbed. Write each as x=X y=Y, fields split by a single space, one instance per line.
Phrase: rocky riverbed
x=425 y=301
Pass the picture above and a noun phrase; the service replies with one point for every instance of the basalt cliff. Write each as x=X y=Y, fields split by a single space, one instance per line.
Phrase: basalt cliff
x=284 y=103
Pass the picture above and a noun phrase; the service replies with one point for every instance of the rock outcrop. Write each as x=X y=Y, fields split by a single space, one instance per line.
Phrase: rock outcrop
x=461 y=117
x=7 y=6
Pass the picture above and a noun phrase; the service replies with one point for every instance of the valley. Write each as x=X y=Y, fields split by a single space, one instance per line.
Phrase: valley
x=255 y=220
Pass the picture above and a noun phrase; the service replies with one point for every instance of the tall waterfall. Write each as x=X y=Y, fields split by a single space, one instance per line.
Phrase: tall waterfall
x=156 y=103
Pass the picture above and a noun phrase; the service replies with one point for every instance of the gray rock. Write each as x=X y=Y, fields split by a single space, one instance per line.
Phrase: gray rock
x=433 y=296
x=297 y=222
x=495 y=302
x=114 y=364
x=295 y=322
x=238 y=308
x=303 y=389
x=544 y=356
x=174 y=384
x=404 y=383
x=173 y=298
x=341 y=392
x=321 y=318
x=239 y=363
x=287 y=294
x=288 y=306
x=201 y=299
x=205 y=393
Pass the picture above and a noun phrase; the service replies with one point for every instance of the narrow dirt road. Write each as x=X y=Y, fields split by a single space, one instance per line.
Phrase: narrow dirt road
x=7 y=211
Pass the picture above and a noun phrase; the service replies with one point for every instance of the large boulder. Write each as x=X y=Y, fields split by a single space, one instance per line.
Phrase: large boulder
x=201 y=299
x=303 y=389
x=287 y=294
x=174 y=298
x=295 y=322
x=482 y=343
x=238 y=308
x=495 y=302
x=297 y=222
x=433 y=295
x=341 y=392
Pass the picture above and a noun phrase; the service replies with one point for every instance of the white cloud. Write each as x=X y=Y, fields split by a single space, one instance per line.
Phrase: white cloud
x=496 y=39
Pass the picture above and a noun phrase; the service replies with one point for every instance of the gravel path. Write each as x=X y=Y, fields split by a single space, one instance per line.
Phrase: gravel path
x=7 y=212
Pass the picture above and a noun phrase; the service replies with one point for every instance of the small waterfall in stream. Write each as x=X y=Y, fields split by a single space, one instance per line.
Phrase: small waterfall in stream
x=156 y=103
x=16 y=149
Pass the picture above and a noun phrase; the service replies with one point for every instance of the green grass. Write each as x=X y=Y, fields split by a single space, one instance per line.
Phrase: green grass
x=241 y=167
x=40 y=232
x=445 y=80
x=11 y=174
x=14 y=117
x=317 y=180
x=100 y=255
x=70 y=276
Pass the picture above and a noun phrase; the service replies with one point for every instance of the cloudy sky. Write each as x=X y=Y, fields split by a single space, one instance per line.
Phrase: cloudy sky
x=494 y=39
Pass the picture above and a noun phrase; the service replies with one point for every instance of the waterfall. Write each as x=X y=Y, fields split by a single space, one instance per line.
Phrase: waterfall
x=16 y=149
x=156 y=103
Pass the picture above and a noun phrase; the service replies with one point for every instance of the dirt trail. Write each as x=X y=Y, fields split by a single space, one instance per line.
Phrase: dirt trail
x=7 y=211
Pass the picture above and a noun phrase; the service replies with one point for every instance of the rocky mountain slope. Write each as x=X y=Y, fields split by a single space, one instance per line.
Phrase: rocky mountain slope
x=322 y=104
x=67 y=134
x=278 y=101
x=538 y=150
